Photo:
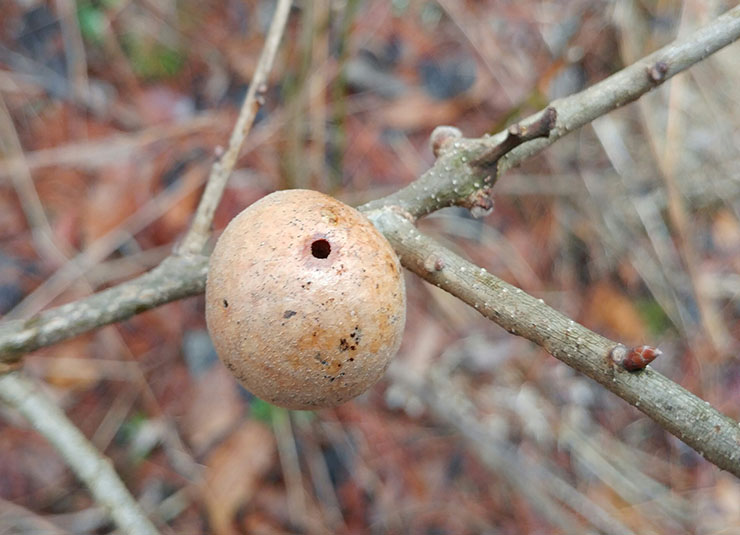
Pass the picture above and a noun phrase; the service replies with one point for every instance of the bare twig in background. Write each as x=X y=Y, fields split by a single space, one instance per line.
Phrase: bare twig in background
x=95 y=153
x=530 y=478
x=99 y=249
x=10 y=147
x=197 y=236
x=453 y=181
x=291 y=468
x=87 y=463
x=26 y=522
x=632 y=82
x=74 y=48
x=714 y=332
x=53 y=82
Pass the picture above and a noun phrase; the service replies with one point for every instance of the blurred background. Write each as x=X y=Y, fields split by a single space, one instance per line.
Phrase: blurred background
x=111 y=112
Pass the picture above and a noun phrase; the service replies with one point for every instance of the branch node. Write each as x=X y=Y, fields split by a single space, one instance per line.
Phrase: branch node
x=442 y=138
x=480 y=202
x=433 y=263
x=517 y=134
x=657 y=71
x=403 y=213
x=617 y=354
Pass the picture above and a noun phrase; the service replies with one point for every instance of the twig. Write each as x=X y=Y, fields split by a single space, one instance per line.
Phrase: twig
x=516 y=135
x=74 y=48
x=621 y=468
x=291 y=468
x=162 y=284
x=632 y=82
x=453 y=181
x=493 y=453
x=25 y=521
x=197 y=236
x=90 y=466
x=91 y=155
x=52 y=82
x=698 y=424
x=99 y=249
x=10 y=147
x=175 y=278
x=32 y=337
x=714 y=333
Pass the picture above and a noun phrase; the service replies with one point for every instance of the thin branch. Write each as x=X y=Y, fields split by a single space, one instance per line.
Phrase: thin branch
x=686 y=416
x=516 y=135
x=161 y=284
x=200 y=230
x=76 y=267
x=10 y=147
x=454 y=181
x=91 y=467
x=74 y=48
x=53 y=82
x=93 y=154
x=175 y=278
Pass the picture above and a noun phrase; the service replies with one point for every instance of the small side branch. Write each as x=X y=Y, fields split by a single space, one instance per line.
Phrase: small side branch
x=517 y=134
x=88 y=464
x=196 y=238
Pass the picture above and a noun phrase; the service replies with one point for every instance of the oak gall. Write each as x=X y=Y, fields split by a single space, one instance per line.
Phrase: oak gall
x=316 y=300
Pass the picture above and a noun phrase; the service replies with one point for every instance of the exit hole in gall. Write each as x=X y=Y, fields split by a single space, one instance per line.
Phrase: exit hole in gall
x=320 y=249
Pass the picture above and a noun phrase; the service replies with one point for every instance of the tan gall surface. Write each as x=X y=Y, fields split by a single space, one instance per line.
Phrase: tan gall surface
x=305 y=300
